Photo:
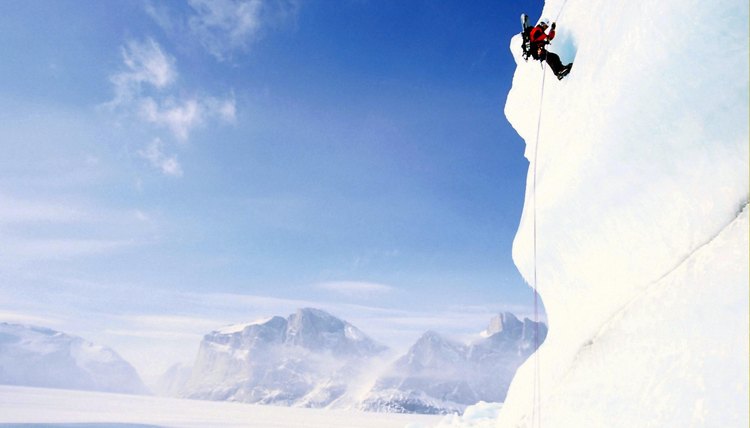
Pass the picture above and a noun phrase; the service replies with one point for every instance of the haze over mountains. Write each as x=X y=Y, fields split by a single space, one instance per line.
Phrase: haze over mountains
x=440 y=375
x=307 y=359
x=313 y=359
x=36 y=356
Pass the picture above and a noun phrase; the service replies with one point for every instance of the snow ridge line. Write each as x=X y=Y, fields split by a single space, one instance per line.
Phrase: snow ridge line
x=605 y=326
x=744 y=206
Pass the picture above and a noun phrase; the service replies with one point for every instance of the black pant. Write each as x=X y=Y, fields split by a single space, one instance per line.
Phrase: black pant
x=553 y=60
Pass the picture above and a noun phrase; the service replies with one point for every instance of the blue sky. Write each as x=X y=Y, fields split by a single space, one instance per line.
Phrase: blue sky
x=172 y=166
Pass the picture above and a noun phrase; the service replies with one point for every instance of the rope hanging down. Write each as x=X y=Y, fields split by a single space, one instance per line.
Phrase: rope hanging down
x=536 y=399
x=536 y=414
x=561 y=10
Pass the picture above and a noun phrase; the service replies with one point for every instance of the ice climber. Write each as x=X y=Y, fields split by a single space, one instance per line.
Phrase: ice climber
x=539 y=38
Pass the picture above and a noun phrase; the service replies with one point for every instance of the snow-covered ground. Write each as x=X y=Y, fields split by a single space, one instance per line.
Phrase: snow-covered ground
x=56 y=407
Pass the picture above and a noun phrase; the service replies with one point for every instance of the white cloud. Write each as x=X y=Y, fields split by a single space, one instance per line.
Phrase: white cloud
x=170 y=166
x=145 y=63
x=24 y=212
x=224 y=27
x=141 y=216
x=146 y=88
x=355 y=288
x=25 y=318
x=18 y=251
x=244 y=303
x=224 y=109
x=180 y=117
x=47 y=228
x=168 y=327
x=180 y=323
x=154 y=334
x=60 y=249
x=14 y=210
x=154 y=154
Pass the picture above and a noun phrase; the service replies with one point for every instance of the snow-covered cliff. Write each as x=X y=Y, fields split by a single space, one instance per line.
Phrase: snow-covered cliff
x=637 y=194
x=36 y=356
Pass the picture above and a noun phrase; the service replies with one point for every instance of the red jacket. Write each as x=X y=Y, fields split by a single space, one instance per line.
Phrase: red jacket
x=538 y=36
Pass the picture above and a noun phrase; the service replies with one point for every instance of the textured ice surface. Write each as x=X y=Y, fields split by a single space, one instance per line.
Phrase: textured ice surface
x=642 y=242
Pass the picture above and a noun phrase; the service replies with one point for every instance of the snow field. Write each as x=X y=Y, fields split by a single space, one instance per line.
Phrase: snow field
x=54 y=406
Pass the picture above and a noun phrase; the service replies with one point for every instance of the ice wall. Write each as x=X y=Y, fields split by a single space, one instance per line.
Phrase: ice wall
x=639 y=184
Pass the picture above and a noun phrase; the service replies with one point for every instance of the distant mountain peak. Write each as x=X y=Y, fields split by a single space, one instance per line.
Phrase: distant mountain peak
x=306 y=359
x=239 y=328
x=42 y=357
x=314 y=359
x=430 y=335
x=439 y=375
x=502 y=322
x=310 y=318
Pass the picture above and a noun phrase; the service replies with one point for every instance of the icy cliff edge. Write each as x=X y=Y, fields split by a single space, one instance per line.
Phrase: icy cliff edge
x=638 y=179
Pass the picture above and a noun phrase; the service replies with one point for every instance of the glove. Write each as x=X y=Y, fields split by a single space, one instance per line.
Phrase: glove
x=554 y=24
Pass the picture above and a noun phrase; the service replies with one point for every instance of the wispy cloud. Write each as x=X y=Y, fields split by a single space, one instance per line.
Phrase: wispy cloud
x=51 y=210
x=145 y=64
x=165 y=327
x=182 y=116
x=48 y=228
x=225 y=27
x=60 y=249
x=237 y=303
x=355 y=288
x=16 y=210
x=153 y=334
x=173 y=322
x=155 y=156
x=26 y=318
x=147 y=88
x=141 y=216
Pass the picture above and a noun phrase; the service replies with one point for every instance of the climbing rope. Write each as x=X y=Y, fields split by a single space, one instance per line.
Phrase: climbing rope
x=536 y=412
x=536 y=399
x=561 y=10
